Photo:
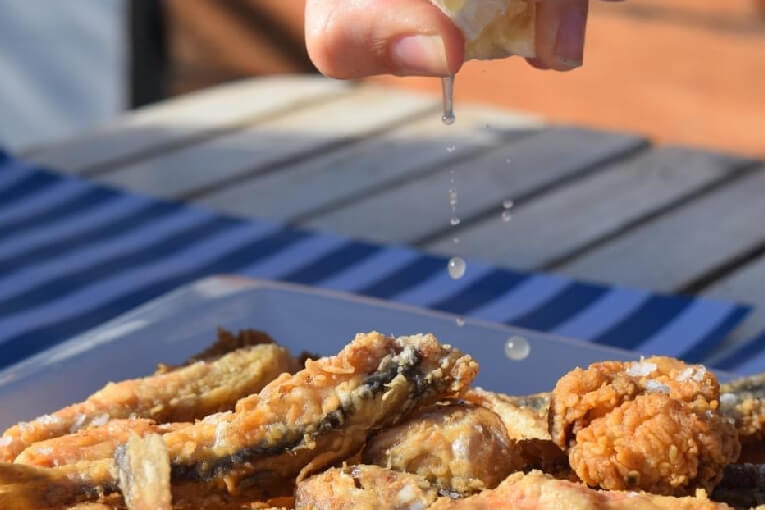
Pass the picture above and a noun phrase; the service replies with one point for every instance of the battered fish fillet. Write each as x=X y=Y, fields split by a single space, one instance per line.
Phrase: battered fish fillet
x=537 y=491
x=364 y=488
x=299 y=424
x=94 y=443
x=143 y=470
x=460 y=448
x=651 y=425
x=180 y=395
x=744 y=401
x=654 y=443
x=525 y=419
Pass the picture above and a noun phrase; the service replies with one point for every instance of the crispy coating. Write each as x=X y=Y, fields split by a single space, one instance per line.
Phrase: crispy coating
x=181 y=395
x=744 y=400
x=460 y=447
x=537 y=491
x=90 y=444
x=657 y=444
x=297 y=425
x=583 y=395
x=364 y=488
x=143 y=468
x=525 y=419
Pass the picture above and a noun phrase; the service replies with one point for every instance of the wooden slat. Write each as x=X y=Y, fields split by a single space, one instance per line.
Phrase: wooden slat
x=420 y=209
x=570 y=219
x=363 y=169
x=223 y=160
x=685 y=245
x=186 y=118
x=744 y=285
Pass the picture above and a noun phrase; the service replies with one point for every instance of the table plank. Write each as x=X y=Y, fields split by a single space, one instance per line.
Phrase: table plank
x=570 y=219
x=228 y=159
x=419 y=209
x=183 y=120
x=318 y=184
x=678 y=248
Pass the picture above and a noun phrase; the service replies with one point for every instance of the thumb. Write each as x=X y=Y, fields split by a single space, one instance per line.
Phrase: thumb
x=357 y=38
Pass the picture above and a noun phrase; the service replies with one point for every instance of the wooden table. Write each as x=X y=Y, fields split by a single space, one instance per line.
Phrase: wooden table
x=376 y=163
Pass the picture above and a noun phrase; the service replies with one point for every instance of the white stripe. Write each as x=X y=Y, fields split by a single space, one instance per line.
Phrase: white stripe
x=523 y=298
x=610 y=309
x=41 y=200
x=362 y=274
x=294 y=256
x=440 y=285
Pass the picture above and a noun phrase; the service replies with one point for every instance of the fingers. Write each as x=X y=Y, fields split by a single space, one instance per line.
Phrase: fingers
x=560 y=34
x=357 y=38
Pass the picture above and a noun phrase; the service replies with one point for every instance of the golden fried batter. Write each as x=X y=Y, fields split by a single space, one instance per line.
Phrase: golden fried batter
x=651 y=425
x=657 y=444
x=143 y=468
x=90 y=444
x=583 y=395
x=744 y=400
x=181 y=395
x=537 y=491
x=525 y=419
x=460 y=447
x=364 y=488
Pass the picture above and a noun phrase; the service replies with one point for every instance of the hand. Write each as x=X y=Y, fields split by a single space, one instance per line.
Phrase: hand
x=357 y=38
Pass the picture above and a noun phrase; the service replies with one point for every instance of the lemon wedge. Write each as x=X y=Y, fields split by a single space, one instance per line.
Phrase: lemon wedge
x=493 y=28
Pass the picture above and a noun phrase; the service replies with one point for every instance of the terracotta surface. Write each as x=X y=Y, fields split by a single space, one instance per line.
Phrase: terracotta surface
x=680 y=71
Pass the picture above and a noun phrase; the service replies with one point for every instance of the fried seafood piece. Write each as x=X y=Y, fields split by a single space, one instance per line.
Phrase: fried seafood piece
x=744 y=400
x=537 y=491
x=364 y=488
x=585 y=394
x=525 y=419
x=459 y=447
x=297 y=425
x=656 y=444
x=90 y=444
x=181 y=395
x=651 y=425
x=143 y=471
x=742 y=486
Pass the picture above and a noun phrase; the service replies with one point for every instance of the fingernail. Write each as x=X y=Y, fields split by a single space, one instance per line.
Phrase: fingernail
x=420 y=55
x=569 y=46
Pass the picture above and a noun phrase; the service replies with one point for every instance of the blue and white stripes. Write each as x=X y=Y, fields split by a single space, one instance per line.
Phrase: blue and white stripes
x=74 y=254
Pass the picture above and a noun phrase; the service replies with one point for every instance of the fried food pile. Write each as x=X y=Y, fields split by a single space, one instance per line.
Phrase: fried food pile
x=390 y=423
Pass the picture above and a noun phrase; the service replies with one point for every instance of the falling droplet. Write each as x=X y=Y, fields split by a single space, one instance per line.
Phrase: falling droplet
x=508 y=204
x=517 y=348
x=507 y=216
x=508 y=161
x=456 y=240
x=451 y=148
x=447 y=89
x=457 y=268
x=455 y=221
x=460 y=321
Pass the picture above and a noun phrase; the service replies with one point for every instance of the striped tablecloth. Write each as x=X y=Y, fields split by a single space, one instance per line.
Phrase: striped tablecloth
x=74 y=254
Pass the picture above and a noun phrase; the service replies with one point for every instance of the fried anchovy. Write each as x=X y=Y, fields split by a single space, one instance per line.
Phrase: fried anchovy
x=94 y=443
x=181 y=395
x=295 y=426
x=143 y=470
x=742 y=486
x=744 y=401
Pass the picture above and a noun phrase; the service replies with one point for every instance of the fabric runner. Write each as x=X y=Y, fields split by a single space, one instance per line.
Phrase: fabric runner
x=74 y=254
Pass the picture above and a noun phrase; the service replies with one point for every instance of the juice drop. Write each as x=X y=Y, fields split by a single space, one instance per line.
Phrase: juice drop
x=517 y=348
x=447 y=88
x=457 y=268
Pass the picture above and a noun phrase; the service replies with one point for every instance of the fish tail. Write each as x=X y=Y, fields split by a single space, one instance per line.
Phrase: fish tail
x=32 y=488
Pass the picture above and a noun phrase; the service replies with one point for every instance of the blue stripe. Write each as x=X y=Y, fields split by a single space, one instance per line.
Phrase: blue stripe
x=34 y=340
x=3 y=156
x=481 y=292
x=11 y=172
x=706 y=344
x=440 y=285
x=685 y=330
x=751 y=354
x=86 y=201
x=335 y=262
x=293 y=257
x=645 y=322
x=366 y=272
x=44 y=199
x=27 y=186
x=407 y=277
x=524 y=297
x=612 y=307
x=566 y=304
x=80 y=240
x=65 y=285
